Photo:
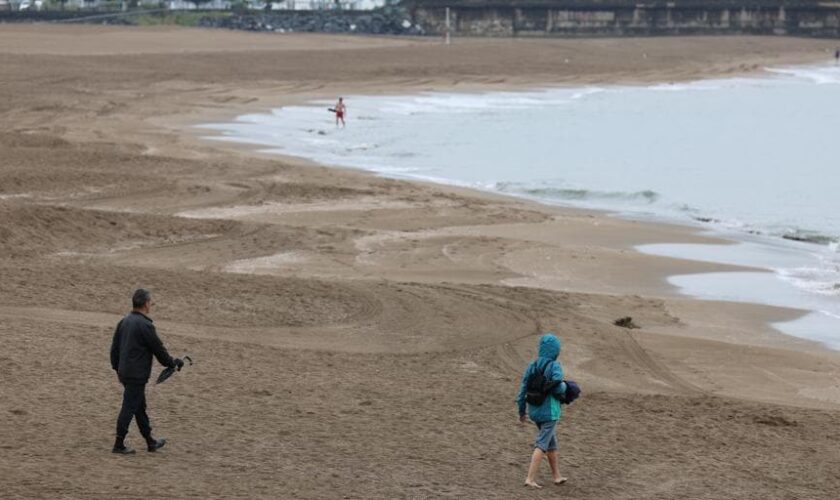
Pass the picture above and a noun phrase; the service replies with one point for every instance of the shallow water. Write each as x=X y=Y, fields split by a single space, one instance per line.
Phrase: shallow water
x=786 y=281
x=756 y=159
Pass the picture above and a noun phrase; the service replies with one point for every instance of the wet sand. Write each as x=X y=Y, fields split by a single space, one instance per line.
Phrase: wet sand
x=354 y=336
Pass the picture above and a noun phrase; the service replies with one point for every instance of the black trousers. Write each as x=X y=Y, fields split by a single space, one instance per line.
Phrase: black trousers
x=134 y=406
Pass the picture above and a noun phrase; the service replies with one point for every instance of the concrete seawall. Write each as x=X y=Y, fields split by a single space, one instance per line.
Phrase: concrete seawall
x=627 y=18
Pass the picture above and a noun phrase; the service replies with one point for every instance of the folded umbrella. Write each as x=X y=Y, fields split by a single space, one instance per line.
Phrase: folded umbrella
x=167 y=372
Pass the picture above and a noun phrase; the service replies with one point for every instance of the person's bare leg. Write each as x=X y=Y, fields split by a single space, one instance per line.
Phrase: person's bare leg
x=555 y=470
x=534 y=468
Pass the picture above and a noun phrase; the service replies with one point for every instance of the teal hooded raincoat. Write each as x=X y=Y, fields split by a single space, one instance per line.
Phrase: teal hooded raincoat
x=550 y=409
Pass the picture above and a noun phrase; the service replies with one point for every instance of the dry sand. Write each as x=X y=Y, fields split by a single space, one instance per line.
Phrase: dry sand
x=358 y=337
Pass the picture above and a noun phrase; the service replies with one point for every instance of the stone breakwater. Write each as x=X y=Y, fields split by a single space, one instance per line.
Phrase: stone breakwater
x=386 y=21
x=379 y=22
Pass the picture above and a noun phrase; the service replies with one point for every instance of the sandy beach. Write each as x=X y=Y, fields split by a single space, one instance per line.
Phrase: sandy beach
x=356 y=336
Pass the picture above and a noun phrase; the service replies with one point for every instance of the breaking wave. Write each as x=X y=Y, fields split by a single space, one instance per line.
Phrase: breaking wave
x=570 y=194
x=820 y=75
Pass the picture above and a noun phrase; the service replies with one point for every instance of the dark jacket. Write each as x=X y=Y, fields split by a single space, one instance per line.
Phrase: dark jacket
x=135 y=341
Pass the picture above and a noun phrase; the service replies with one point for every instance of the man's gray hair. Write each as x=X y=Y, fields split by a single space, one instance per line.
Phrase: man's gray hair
x=140 y=297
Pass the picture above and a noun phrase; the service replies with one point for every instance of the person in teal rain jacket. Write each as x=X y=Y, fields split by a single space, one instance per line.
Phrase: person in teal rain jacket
x=545 y=415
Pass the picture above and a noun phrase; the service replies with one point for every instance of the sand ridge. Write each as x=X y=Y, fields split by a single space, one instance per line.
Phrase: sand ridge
x=359 y=337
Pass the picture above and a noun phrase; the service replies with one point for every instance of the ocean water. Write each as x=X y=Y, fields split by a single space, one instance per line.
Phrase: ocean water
x=756 y=160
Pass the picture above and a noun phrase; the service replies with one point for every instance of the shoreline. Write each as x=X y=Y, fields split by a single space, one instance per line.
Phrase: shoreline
x=697 y=232
x=669 y=266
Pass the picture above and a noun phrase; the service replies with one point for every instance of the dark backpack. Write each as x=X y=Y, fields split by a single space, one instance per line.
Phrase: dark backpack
x=571 y=394
x=539 y=386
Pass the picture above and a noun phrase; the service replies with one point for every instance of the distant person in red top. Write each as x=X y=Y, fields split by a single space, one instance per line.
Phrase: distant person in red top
x=340 y=111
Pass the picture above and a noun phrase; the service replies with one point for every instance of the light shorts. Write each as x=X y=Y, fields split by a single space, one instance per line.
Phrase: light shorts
x=546 y=436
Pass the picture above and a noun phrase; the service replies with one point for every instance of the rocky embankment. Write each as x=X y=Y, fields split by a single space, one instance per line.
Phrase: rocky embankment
x=380 y=22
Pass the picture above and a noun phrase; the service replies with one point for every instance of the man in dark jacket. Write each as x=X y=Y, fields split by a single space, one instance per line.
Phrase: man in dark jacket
x=135 y=342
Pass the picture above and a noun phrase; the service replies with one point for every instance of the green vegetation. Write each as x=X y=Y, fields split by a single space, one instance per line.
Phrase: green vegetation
x=184 y=18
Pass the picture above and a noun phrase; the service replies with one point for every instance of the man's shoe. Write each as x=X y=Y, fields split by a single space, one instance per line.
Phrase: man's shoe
x=156 y=444
x=122 y=450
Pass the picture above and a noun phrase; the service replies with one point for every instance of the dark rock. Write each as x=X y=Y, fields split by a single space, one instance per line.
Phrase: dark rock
x=626 y=322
